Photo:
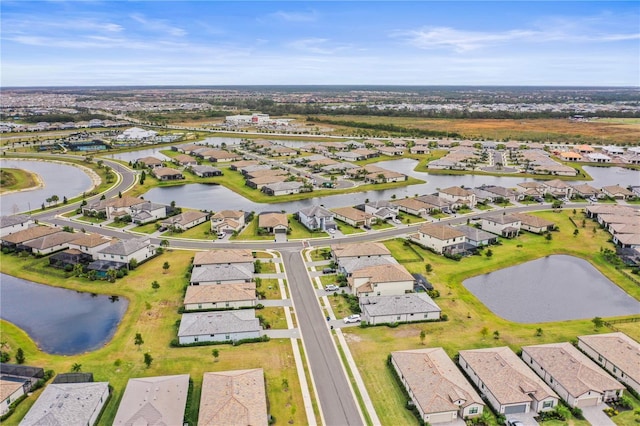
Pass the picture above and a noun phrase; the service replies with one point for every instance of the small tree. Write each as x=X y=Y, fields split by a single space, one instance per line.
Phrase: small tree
x=489 y=253
x=148 y=359
x=597 y=322
x=538 y=332
x=423 y=335
x=155 y=285
x=216 y=354
x=548 y=236
x=20 y=356
x=428 y=268
x=484 y=332
x=165 y=267
x=575 y=232
x=496 y=334
x=76 y=367
x=138 y=340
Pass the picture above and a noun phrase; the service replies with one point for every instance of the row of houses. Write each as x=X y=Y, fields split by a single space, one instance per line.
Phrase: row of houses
x=622 y=222
x=513 y=385
x=385 y=289
x=235 y=397
x=606 y=154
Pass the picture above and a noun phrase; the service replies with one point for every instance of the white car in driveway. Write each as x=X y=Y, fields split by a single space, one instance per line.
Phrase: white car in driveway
x=352 y=318
x=332 y=287
x=331 y=231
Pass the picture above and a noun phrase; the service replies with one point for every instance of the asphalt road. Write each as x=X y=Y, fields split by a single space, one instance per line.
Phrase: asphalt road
x=337 y=402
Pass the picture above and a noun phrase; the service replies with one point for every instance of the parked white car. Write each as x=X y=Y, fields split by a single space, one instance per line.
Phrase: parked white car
x=332 y=287
x=352 y=318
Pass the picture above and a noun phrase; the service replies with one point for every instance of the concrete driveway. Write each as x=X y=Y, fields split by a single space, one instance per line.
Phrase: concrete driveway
x=596 y=416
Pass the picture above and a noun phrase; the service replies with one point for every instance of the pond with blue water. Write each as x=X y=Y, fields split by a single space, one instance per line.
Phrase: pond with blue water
x=60 y=321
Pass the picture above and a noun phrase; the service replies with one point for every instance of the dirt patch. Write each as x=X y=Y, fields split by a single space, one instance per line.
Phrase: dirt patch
x=352 y=338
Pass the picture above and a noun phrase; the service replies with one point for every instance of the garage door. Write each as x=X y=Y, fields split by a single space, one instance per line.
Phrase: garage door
x=440 y=418
x=280 y=230
x=587 y=402
x=513 y=409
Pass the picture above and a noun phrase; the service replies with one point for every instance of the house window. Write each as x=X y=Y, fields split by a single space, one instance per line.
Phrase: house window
x=473 y=410
x=600 y=358
x=547 y=404
x=615 y=370
x=227 y=337
x=426 y=315
x=195 y=339
x=550 y=379
x=398 y=317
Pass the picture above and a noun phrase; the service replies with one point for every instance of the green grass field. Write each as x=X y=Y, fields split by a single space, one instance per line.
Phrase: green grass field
x=16 y=180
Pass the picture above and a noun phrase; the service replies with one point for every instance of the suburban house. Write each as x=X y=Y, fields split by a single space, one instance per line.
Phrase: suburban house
x=274 y=223
x=500 y=192
x=381 y=209
x=50 y=243
x=381 y=280
x=89 y=243
x=236 y=397
x=185 y=160
x=159 y=400
x=15 y=223
x=279 y=151
x=260 y=182
x=125 y=251
x=316 y=218
x=243 y=163
x=439 y=391
x=219 y=326
x=613 y=150
x=151 y=162
x=353 y=216
x=534 y=224
x=408 y=307
x=351 y=257
x=413 y=206
x=228 y=296
x=205 y=171
x=570 y=156
x=391 y=150
x=68 y=404
x=617 y=353
x=283 y=188
x=17 y=239
x=222 y=273
x=436 y=203
x=167 y=173
x=220 y=156
x=420 y=148
x=253 y=169
x=11 y=388
x=531 y=189
x=506 y=382
x=558 y=188
x=223 y=257
x=594 y=211
x=440 y=238
x=185 y=220
x=113 y=207
x=571 y=374
x=263 y=173
x=587 y=191
x=384 y=176
x=147 y=212
x=506 y=225
x=227 y=221
x=617 y=192
x=477 y=237
x=598 y=157
x=458 y=196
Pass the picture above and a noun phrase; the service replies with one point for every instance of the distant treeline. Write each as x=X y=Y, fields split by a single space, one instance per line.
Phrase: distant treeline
x=57 y=118
x=176 y=116
x=391 y=128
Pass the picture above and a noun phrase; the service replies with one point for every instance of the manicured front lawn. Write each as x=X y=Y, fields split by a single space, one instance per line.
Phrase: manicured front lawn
x=250 y=232
x=270 y=288
x=198 y=232
x=317 y=254
x=274 y=315
x=381 y=225
x=328 y=279
x=152 y=313
x=267 y=268
x=409 y=218
x=147 y=228
x=119 y=224
x=299 y=231
x=91 y=219
x=347 y=229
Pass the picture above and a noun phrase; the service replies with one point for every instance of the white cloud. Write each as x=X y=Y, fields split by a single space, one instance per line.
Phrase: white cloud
x=316 y=45
x=158 y=25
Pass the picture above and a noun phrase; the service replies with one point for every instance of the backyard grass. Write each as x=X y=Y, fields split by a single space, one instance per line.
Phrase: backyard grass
x=16 y=180
x=339 y=306
x=467 y=316
x=299 y=231
x=152 y=313
x=274 y=316
x=347 y=229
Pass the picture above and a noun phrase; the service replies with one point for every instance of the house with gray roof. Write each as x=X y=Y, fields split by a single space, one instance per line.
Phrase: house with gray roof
x=349 y=265
x=283 y=188
x=68 y=404
x=124 y=251
x=505 y=225
x=15 y=223
x=186 y=220
x=51 y=243
x=147 y=212
x=235 y=397
x=439 y=391
x=381 y=209
x=159 y=400
x=219 y=326
x=316 y=218
x=571 y=374
x=410 y=307
x=234 y=273
x=477 y=237
x=205 y=171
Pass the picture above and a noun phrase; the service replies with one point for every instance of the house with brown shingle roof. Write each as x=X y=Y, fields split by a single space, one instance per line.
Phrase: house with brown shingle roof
x=435 y=385
x=185 y=160
x=15 y=223
x=440 y=238
x=381 y=280
x=167 y=173
x=220 y=156
x=227 y=221
x=18 y=238
x=273 y=222
x=222 y=256
x=186 y=220
x=506 y=382
x=571 y=374
x=617 y=192
x=413 y=206
x=90 y=243
x=151 y=162
x=261 y=181
x=352 y=257
x=617 y=353
x=223 y=296
x=113 y=207
x=458 y=196
x=534 y=224
x=596 y=210
x=586 y=191
x=234 y=398
x=51 y=243
x=353 y=216
x=506 y=225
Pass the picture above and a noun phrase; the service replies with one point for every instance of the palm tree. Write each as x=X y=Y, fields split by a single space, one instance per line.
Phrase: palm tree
x=76 y=367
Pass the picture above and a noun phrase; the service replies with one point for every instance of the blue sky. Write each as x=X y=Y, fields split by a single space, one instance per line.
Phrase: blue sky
x=62 y=43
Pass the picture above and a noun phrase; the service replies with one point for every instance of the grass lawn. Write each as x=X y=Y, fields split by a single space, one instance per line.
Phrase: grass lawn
x=91 y=219
x=264 y=255
x=316 y=255
x=147 y=228
x=439 y=215
x=484 y=207
x=72 y=213
x=347 y=229
x=153 y=314
x=409 y=218
x=274 y=315
x=299 y=231
x=119 y=224
x=380 y=225
x=467 y=315
x=268 y=268
x=198 y=232
x=328 y=279
x=270 y=288
x=16 y=180
x=340 y=307
x=250 y=232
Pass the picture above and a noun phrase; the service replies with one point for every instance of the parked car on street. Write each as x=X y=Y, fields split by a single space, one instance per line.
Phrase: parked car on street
x=332 y=287
x=352 y=318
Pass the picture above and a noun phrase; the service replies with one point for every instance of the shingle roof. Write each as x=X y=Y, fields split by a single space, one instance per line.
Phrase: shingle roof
x=6 y=221
x=352 y=213
x=213 y=257
x=571 y=368
x=440 y=231
x=238 y=321
x=434 y=380
x=67 y=404
x=317 y=211
x=506 y=376
x=502 y=219
x=411 y=303
x=411 y=203
x=49 y=241
x=284 y=186
x=233 y=398
x=384 y=273
x=456 y=191
x=8 y=387
x=531 y=220
x=220 y=293
x=351 y=264
x=228 y=214
x=271 y=220
x=205 y=169
x=157 y=401
x=618 y=348
x=221 y=272
x=185 y=218
x=474 y=234
x=166 y=171
x=617 y=189
x=90 y=240
x=30 y=234
x=126 y=247
x=362 y=249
